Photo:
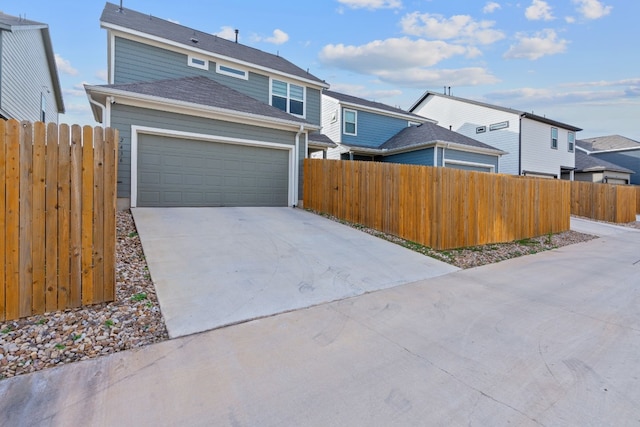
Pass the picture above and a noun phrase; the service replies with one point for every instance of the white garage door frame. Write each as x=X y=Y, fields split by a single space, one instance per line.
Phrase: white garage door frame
x=136 y=131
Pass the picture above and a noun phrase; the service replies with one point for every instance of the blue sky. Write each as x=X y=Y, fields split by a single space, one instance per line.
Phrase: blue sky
x=576 y=61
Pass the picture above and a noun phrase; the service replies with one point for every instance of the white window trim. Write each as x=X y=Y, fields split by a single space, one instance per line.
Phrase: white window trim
x=569 y=149
x=190 y=62
x=491 y=168
x=138 y=130
x=230 y=74
x=556 y=138
x=344 y=122
x=304 y=96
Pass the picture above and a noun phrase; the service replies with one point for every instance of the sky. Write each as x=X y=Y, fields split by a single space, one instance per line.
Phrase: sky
x=574 y=61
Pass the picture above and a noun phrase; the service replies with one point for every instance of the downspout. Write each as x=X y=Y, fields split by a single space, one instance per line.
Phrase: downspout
x=102 y=107
x=296 y=154
x=520 y=147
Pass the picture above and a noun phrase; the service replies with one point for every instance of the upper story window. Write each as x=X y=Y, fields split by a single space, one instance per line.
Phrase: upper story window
x=554 y=138
x=571 y=141
x=288 y=97
x=350 y=126
x=194 y=61
x=232 y=72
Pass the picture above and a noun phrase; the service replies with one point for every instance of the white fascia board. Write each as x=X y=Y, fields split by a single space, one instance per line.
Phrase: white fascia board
x=615 y=150
x=442 y=144
x=171 y=105
x=162 y=42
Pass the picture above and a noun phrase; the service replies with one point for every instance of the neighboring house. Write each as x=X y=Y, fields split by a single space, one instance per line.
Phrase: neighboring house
x=616 y=149
x=593 y=169
x=366 y=130
x=203 y=121
x=29 y=82
x=535 y=145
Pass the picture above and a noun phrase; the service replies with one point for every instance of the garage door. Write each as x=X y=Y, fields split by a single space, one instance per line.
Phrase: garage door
x=184 y=172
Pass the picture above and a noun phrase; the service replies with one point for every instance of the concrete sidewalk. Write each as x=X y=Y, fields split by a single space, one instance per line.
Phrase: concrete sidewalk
x=219 y=266
x=597 y=228
x=547 y=339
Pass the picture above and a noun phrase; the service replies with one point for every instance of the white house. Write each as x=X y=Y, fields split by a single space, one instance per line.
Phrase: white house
x=535 y=145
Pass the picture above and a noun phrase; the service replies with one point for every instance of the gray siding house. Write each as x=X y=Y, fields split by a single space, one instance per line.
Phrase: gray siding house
x=204 y=121
x=619 y=150
x=367 y=130
x=29 y=82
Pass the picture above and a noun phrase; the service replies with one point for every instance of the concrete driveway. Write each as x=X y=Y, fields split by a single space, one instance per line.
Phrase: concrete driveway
x=219 y=266
x=551 y=339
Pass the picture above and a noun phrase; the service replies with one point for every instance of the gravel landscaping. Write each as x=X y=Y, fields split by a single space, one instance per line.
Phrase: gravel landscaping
x=52 y=339
x=135 y=320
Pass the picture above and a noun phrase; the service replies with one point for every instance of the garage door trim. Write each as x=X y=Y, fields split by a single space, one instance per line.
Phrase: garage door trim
x=471 y=164
x=138 y=130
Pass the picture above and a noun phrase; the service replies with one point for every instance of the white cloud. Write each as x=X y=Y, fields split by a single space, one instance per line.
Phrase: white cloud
x=570 y=19
x=547 y=96
x=365 y=92
x=228 y=33
x=387 y=60
x=592 y=9
x=102 y=75
x=64 y=66
x=389 y=54
x=458 y=27
x=539 y=10
x=428 y=77
x=372 y=4
x=605 y=83
x=76 y=90
x=491 y=7
x=278 y=37
x=541 y=44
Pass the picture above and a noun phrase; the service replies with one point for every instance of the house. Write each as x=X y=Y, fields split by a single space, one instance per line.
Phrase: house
x=535 y=145
x=29 y=83
x=619 y=150
x=203 y=121
x=367 y=130
x=594 y=169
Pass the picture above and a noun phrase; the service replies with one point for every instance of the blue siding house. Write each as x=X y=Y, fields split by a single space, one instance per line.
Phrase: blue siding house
x=619 y=150
x=366 y=130
x=204 y=121
x=29 y=82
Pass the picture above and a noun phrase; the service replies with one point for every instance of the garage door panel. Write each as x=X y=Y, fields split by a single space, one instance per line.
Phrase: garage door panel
x=175 y=172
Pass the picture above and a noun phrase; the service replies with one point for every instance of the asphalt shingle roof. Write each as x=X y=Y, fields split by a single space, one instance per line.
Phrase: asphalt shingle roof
x=155 y=26
x=371 y=104
x=204 y=91
x=8 y=21
x=611 y=142
x=322 y=139
x=587 y=163
x=430 y=133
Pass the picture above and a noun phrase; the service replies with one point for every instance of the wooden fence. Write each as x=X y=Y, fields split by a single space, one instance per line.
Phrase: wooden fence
x=605 y=202
x=437 y=207
x=637 y=187
x=57 y=213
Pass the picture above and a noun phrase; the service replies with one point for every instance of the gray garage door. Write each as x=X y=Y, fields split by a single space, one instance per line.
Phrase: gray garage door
x=182 y=172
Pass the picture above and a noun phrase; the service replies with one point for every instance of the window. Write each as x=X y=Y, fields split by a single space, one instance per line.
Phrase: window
x=497 y=126
x=350 y=122
x=287 y=97
x=554 y=138
x=196 y=62
x=571 y=139
x=233 y=72
x=481 y=129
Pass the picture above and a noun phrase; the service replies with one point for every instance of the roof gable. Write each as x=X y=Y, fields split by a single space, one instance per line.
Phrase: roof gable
x=372 y=105
x=520 y=113
x=190 y=38
x=16 y=23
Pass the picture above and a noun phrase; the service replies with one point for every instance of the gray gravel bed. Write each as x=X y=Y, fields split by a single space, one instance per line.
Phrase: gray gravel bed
x=132 y=320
